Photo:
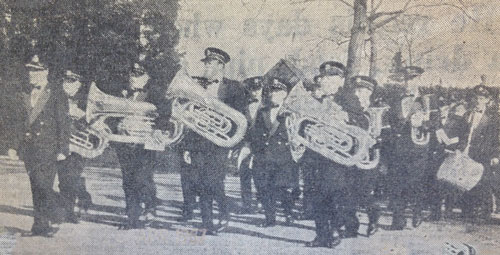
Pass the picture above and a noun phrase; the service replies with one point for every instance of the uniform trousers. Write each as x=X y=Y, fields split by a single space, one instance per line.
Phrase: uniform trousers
x=45 y=199
x=246 y=175
x=137 y=173
x=210 y=171
x=271 y=189
x=71 y=184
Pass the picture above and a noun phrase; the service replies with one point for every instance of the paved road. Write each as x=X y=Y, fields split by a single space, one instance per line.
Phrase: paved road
x=98 y=231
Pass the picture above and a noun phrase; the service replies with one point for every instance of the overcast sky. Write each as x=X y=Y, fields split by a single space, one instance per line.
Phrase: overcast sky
x=258 y=33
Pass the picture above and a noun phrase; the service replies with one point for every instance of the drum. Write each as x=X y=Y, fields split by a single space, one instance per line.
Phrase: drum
x=460 y=171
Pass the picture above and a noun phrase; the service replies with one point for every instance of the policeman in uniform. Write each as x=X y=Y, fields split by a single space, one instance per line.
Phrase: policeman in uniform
x=325 y=180
x=276 y=174
x=202 y=156
x=71 y=184
x=46 y=142
x=254 y=88
x=137 y=163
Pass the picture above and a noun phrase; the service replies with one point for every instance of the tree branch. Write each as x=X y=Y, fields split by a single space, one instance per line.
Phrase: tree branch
x=310 y=1
x=462 y=9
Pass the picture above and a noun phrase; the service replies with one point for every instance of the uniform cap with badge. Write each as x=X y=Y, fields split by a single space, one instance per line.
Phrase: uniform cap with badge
x=253 y=83
x=330 y=68
x=212 y=53
x=362 y=81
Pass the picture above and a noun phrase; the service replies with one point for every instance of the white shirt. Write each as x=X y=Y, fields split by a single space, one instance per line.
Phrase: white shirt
x=213 y=90
x=252 y=111
x=35 y=95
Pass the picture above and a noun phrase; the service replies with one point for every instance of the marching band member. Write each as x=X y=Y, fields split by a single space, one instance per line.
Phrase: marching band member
x=136 y=162
x=203 y=156
x=482 y=147
x=276 y=174
x=71 y=184
x=450 y=137
x=46 y=142
x=356 y=101
x=254 y=89
x=409 y=171
x=327 y=185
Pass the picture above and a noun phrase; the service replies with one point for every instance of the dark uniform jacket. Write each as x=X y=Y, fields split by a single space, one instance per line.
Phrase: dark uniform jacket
x=484 y=140
x=13 y=87
x=272 y=150
x=49 y=133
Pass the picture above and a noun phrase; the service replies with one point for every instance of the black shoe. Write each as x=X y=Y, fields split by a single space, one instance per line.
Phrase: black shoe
x=211 y=233
x=416 y=221
x=320 y=242
x=267 y=224
x=43 y=231
x=372 y=229
x=398 y=224
x=85 y=202
x=131 y=224
x=72 y=218
x=350 y=234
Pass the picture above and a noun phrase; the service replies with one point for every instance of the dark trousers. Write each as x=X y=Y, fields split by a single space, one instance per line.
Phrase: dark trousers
x=209 y=184
x=332 y=211
x=266 y=179
x=478 y=202
x=137 y=173
x=45 y=199
x=408 y=191
x=308 y=190
x=71 y=184
x=188 y=185
x=246 y=175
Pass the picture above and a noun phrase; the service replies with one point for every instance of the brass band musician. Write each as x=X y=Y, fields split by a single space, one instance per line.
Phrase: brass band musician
x=204 y=157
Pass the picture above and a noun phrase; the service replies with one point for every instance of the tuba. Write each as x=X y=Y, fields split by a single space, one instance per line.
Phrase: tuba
x=208 y=117
x=120 y=120
x=310 y=124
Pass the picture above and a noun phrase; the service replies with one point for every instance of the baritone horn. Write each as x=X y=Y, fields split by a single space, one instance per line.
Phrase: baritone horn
x=86 y=141
x=208 y=117
x=120 y=120
x=324 y=130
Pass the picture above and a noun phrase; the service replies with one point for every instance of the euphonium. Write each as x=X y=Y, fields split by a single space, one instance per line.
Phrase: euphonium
x=310 y=124
x=121 y=120
x=208 y=117
x=86 y=141
x=372 y=156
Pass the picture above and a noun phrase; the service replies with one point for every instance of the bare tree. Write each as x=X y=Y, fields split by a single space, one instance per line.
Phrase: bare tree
x=369 y=18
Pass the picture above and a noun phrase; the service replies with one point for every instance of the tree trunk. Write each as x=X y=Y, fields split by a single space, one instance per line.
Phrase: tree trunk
x=358 y=35
x=373 y=54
